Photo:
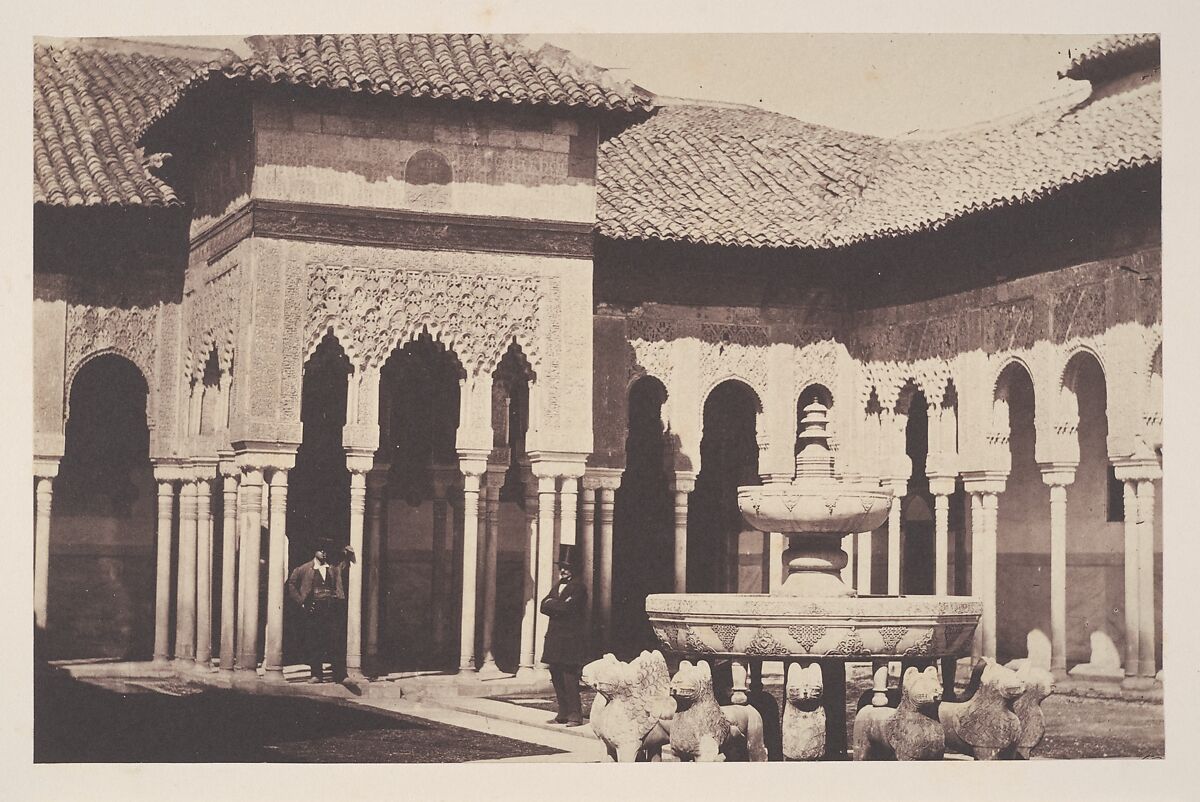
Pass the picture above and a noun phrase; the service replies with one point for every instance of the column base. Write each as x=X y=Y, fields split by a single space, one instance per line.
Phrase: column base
x=538 y=673
x=245 y=677
x=1138 y=683
x=273 y=674
x=489 y=669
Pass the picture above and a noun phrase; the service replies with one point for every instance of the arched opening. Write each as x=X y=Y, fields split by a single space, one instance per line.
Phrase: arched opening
x=724 y=554
x=420 y=571
x=102 y=543
x=319 y=484
x=212 y=415
x=1095 y=541
x=510 y=426
x=643 y=520
x=1023 y=523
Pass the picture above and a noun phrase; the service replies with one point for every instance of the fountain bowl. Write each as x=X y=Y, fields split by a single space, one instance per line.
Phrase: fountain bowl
x=777 y=627
x=823 y=506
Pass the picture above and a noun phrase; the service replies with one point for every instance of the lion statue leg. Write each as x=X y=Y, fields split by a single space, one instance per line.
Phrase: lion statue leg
x=749 y=724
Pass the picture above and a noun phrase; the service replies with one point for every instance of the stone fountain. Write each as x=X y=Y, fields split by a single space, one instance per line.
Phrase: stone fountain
x=814 y=618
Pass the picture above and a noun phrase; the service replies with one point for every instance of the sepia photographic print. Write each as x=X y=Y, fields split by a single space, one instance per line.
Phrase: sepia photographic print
x=478 y=397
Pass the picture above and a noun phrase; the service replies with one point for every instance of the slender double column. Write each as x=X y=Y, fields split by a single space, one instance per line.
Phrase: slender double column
x=277 y=570
x=1146 y=607
x=1058 y=477
x=229 y=547
x=44 y=473
x=204 y=556
x=899 y=488
x=587 y=544
x=545 y=563
x=529 y=578
x=472 y=470
x=681 y=487
x=1138 y=474
x=604 y=515
x=162 y=581
x=984 y=490
x=185 y=588
x=494 y=479
x=250 y=510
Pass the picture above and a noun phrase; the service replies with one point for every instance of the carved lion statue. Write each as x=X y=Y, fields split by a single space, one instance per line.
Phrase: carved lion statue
x=985 y=725
x=631 y=698
x=803 y=713
x=908 y=732
x=1039 y=683
x=701 y=730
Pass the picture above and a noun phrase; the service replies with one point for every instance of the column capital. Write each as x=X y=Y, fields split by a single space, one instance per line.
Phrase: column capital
x=45 y=467
x=984 y=482
x=204 y=468
x=603 y=478
x=897 y=484
x=942 y=484
x=169 y=470
x=1135 y=469
x=683 y=482
x=1058 y=474
x=277 y=456
x=557 y=463
x=227 y=464
x=473 y=461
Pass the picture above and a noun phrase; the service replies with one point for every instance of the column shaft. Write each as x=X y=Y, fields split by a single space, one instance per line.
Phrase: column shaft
x=1058 y=579
x=185 y=588
x=41 y=550
x=373 y=559
x=1146 y=633
x=545 y=573
x=941 y=545
x=466 y=650
x=492 y=520
x=606 y=553
x=1132 y=593
x=251 y=549
x=990 y=501
x=681 y=522
x=893 y=558
x=204 y=555
x=162 y=579
x=978 y=561
x=354 y=588
x=277 y=574
x=862 y=552
x=587 y=545
x=229 y=573
x=529 y=579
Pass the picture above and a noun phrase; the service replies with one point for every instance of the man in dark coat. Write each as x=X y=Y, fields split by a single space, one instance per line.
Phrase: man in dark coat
x=317 y=587
x=565 y=648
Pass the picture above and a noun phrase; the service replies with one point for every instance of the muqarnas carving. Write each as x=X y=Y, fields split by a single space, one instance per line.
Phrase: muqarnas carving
x=908 y=732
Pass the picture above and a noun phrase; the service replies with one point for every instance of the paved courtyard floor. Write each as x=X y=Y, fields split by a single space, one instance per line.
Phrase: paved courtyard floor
x=171 y=720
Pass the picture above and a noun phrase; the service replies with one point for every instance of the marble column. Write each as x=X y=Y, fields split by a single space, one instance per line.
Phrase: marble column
x=185 y=588
x=373 y=559
x=1146 y=627
x=977 y=563
x=587 y=545
x=545 y=572
x=1133 y=617
x=568 y=521
x=471 y=484
x=990 y=504
x=605 y=516
x=941 y=487
x=893 y=538
x=162 y=578
x=354 y=584
x=277 y=570
x=1058 y=478
x=229 y=570
x=251 y=551
x=682 y=486
x=529 y=578
x=43 y=499
x=204 y=555
x=495 y=478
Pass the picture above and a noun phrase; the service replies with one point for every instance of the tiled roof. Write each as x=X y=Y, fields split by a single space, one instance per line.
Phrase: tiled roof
x=454 y=66
x=731 y=176
x=1114 y=55
x=745 y=177
x=89 y=108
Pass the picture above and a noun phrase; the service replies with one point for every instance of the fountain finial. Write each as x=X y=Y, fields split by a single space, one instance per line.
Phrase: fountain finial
x=814 y=460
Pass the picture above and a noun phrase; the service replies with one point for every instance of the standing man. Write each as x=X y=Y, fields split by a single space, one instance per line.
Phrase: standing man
x=317 y=588
x=565 y=648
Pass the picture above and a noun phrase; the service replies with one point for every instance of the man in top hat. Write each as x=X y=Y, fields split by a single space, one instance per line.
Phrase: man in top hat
x=565 y=648
x=317 y=587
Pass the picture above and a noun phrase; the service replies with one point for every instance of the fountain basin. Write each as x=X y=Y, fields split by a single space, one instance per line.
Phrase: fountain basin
x=824 y=506
x=846 y=628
